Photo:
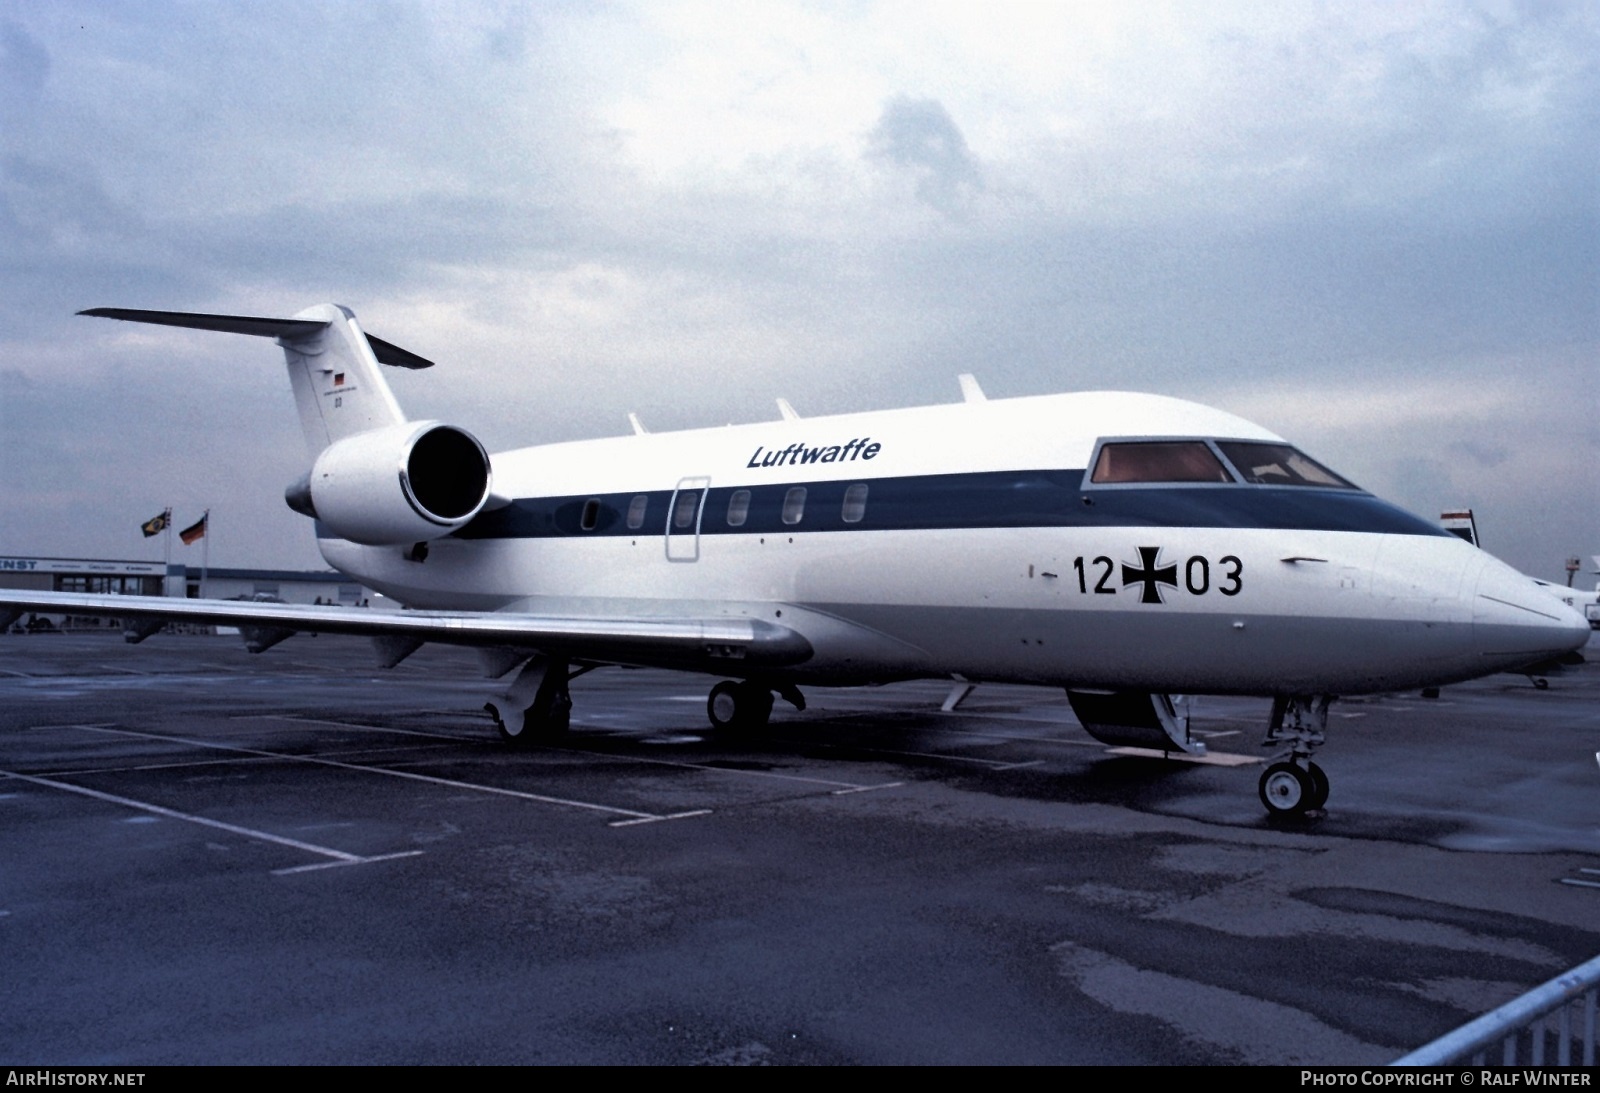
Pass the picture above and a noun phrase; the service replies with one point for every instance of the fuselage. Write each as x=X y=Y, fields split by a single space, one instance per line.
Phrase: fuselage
x=1102 y=539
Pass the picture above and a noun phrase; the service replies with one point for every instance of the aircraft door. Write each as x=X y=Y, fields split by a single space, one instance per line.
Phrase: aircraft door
x=683 y=519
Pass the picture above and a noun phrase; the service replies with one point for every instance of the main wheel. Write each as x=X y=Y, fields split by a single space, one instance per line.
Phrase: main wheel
x=1319 y=787
x=738 y=709
x=1287 y=790
x=520 y=728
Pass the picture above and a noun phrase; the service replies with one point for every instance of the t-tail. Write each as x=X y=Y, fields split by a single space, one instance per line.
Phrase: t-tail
x=376 y=478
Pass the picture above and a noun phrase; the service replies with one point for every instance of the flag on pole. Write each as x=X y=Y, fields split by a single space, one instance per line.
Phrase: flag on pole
x=156 y=524
x=194 y=531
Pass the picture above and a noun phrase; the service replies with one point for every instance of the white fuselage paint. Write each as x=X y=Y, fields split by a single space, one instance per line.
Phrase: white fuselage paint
x=1311 y=611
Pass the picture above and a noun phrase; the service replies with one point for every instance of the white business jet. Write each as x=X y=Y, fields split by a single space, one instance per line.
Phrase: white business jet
x=1131 y=549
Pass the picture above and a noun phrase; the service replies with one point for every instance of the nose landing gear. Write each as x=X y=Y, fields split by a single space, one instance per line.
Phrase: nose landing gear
x=1294 y=785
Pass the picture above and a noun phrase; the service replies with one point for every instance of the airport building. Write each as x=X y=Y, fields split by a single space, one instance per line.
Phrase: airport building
x=130 y=578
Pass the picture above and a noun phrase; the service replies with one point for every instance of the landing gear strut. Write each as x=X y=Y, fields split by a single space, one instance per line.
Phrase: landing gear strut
x=1294 y=785
x=537 y=707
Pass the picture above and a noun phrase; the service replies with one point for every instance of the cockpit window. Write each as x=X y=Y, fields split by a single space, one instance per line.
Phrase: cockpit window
x=1158 y=461
x=1279 y=465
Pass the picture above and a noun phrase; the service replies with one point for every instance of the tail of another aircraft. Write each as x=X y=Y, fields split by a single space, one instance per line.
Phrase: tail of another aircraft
x=333 y=365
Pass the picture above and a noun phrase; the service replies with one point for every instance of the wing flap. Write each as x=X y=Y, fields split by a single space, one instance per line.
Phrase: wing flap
x=664 y=642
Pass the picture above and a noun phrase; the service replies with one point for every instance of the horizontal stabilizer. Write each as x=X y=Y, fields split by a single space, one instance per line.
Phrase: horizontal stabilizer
x=391 y=354
x=256 y=326
x=227 y=324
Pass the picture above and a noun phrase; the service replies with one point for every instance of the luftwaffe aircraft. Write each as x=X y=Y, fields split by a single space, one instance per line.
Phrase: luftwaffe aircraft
x=1131 y=549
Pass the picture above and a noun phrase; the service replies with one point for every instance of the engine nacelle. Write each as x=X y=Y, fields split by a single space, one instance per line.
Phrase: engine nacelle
x=405 y=483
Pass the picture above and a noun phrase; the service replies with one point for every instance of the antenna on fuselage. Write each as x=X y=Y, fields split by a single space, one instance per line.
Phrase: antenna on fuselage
x=789 y=413
x=638 y=426
x=970 y=391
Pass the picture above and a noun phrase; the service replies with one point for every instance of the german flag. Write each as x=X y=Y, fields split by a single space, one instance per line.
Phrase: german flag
x=195 y=531
x=156 y=524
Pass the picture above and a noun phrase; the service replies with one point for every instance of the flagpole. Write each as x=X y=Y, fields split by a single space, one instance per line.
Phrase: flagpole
x=205 y=553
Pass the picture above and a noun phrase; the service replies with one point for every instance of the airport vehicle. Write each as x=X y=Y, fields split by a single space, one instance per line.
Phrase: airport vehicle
x=1133 y=549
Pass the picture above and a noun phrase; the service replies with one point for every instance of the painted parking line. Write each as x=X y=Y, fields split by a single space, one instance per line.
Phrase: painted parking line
x=987 y=764
x=838 y=786
x=349 y=725
x=430 y=779
x=1209 y=759
x=337 y=857
x=683 y=764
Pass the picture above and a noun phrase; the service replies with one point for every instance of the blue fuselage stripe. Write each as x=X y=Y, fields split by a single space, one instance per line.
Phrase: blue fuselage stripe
x=998 y=499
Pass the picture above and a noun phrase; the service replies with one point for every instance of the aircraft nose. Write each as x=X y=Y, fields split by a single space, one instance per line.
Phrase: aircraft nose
x=1517 y=623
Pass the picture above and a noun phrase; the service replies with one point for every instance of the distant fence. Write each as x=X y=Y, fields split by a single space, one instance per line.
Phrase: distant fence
x=1562 y=1010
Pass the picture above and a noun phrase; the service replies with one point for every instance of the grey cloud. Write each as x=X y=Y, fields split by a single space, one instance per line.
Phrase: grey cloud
x=1484 y=453
x=24 y=65
x=918 y=136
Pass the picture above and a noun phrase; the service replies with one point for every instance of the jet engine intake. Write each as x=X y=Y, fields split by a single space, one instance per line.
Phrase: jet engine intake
x=404 y=483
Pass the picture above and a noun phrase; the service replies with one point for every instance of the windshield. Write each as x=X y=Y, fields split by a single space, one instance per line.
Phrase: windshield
x=1279 y=465
x=1158 y=461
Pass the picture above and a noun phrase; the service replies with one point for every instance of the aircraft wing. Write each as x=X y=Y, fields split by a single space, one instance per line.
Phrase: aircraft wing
x=733 y=642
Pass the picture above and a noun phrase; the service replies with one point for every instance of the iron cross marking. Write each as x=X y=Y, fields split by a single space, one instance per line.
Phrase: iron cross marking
x=1151 y=577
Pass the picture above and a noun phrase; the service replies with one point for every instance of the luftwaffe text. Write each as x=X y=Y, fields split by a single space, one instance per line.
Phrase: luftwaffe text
x=859 y=448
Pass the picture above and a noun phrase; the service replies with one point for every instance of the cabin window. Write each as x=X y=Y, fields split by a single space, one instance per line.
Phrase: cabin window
x=636 y=507
x=591 y=514
x=738 y=508
x=1158 y=461
x=687 y=508
x=1279 y=465
x=794 y=505
x=855 y=503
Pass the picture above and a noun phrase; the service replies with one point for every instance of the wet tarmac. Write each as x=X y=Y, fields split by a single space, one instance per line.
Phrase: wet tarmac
x=209 y=857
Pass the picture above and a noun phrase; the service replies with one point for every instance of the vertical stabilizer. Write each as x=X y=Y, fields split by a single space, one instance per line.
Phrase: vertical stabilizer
x=338 y=389
x=333 y=364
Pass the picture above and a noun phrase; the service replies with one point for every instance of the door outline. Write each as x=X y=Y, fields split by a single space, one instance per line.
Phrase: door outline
x=682 y=545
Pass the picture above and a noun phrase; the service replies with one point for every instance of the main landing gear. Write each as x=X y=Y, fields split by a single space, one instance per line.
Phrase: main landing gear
x=1294 y=785
x=739 y=710
x=537 y=707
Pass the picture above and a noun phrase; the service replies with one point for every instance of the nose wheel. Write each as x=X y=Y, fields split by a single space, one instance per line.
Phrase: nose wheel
x=1294 y=785
x=1290 y=790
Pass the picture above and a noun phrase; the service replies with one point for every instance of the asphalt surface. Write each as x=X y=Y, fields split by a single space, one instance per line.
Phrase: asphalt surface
x=209 y=857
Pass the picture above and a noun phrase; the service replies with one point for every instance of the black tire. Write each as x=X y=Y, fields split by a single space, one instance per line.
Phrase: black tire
x=738 y=710
x=1319 y=787
x=1286 y=790
x=522 y=728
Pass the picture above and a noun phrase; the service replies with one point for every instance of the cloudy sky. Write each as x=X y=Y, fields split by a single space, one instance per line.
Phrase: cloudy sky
x=1373 y=228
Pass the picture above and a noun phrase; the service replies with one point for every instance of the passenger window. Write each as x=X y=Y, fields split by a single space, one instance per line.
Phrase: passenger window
x=738 y=508
x=855 y=503
x=687 y=508
x=636 y=509
x=1158 y=461
x=1279 y=465
x=794 y=505
x=591 y=514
